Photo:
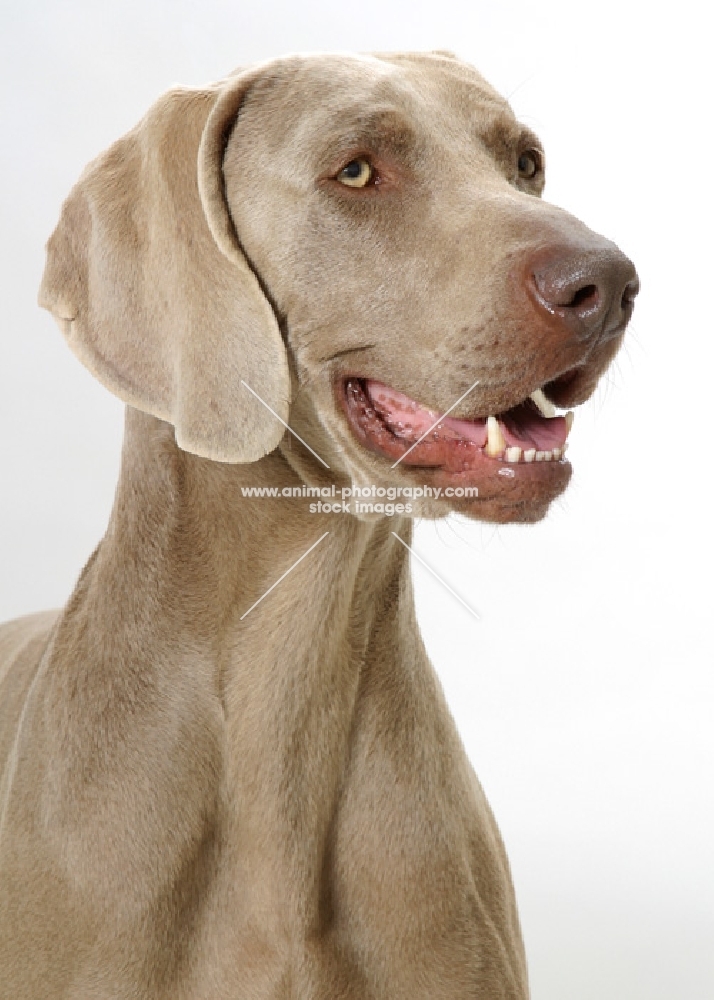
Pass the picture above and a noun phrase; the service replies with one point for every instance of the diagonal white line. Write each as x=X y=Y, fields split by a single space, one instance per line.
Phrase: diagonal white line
x=436 y=424
x=476 y=615
x=284 y=424
x=284 y=575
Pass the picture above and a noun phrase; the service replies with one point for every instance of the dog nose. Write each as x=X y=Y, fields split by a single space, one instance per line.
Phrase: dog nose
x=592 y=291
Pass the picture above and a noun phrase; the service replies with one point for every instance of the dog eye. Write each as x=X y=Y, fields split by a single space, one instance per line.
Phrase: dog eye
x=530 y=163
x=356 y=174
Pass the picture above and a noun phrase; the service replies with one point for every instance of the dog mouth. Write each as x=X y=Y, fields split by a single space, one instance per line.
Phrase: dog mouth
x=398 y=427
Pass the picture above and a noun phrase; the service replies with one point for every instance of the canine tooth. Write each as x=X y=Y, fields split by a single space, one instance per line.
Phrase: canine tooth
x=557 y=453
x=569 y=417
x=529 y=455
x=548 y=455
x=496 y=442
x=513 y=454
x=540 y=456
x=544 y=405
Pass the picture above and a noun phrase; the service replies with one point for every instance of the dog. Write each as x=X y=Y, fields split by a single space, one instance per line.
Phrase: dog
x=227 y=767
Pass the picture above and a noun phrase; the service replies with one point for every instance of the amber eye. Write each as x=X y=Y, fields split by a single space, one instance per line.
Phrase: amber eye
x=529 y=163
x=356 y=174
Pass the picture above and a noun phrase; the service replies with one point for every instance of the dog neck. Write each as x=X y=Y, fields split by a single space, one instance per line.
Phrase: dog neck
x=187 y=531
x=268 y=755
x=178 y=574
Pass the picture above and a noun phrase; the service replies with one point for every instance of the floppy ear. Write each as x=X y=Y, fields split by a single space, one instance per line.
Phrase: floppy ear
x=147 y=280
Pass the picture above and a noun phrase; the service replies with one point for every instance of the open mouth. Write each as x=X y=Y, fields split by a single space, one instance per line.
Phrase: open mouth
x=398 y=427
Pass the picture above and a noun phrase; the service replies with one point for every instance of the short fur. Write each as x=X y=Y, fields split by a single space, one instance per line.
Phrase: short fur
x=197 y=805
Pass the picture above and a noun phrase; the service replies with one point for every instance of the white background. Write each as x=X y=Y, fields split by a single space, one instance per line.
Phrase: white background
x=585 y=694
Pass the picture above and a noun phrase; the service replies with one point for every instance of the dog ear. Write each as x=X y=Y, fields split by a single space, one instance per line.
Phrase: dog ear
x=146 y=278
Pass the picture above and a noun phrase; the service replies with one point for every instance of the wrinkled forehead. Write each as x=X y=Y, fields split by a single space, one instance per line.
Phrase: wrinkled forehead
x=399 y=101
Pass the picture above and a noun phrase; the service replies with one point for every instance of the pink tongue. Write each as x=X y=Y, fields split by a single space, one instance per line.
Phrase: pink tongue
x=522 y=427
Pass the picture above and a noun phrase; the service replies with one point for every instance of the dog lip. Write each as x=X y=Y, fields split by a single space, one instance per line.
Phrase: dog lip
x=505 y=491
x=397 y=427
x=558 y=388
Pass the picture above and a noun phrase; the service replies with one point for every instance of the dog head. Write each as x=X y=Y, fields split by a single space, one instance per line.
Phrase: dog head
x=357 y=246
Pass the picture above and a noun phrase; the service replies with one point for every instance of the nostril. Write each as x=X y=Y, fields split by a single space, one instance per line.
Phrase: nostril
x=587 y=297
x=631 y=290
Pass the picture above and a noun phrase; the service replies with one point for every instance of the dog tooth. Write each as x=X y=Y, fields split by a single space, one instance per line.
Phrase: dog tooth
x=540 y=456
x=496 y=442
x=529 y=455
x=557 y=453
x=548 y=456
x=569 y=417
x=513 y=454
x=544 y=405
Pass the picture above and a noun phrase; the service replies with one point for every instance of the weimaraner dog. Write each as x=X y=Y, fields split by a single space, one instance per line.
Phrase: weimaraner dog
x=205 y=794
